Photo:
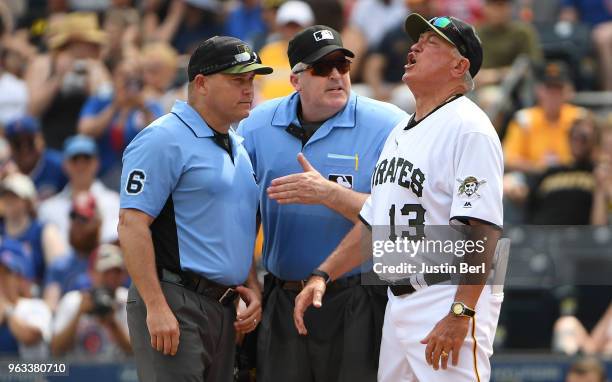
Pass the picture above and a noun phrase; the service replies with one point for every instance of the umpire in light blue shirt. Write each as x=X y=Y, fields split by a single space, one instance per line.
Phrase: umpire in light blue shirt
x=187 y=223
x=313 y=153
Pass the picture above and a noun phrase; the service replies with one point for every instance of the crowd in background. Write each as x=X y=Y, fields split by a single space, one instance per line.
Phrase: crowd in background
x=80 y=78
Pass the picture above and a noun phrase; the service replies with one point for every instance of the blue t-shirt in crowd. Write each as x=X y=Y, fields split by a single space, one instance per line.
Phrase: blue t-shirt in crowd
x=8 y=343
x=592 y=12
x=70 y=272
x=48 y=175
x=116 y=138
x=245 y=23
x=31 y=240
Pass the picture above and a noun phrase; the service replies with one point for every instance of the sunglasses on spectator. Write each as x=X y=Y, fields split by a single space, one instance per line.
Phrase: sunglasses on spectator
x=324 y=68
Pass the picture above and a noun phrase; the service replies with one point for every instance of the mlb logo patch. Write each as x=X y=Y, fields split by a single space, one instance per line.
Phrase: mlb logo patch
x=323 y=35
x=342 y=179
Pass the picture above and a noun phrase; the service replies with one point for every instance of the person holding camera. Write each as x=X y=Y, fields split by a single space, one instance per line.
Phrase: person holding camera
x=60 y=81
x=93 y=323
x=114 y=119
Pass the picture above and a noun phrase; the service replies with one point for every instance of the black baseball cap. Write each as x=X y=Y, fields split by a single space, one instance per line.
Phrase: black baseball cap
x=553 y=73
x=223 y=54
x=458 y=33
x=313 y=43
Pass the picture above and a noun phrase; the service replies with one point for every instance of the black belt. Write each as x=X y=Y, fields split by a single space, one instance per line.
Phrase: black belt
x=223 y=294
x=428 y=278
x=333 y=286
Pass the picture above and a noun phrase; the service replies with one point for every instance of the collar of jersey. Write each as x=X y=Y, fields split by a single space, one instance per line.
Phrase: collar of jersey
x=286 y=113
x=192 y=119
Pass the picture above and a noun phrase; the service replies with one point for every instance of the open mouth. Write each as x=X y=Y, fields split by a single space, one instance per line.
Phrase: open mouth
x=411 y=60
x=337 y=88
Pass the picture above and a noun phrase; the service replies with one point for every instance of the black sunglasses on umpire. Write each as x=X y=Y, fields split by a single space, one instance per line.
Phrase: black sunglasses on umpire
x=324 y=68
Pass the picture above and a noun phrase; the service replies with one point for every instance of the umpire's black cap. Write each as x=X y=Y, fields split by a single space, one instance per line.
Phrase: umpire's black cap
x=223 y=54
x=313 y=43
x=459 y=33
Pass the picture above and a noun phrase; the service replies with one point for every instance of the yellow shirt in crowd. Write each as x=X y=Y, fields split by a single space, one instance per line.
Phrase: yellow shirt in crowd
x=276 y=84
x=532 y=138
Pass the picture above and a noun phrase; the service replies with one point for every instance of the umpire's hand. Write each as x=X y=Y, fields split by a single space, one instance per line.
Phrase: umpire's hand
x=312 y=294
x=163 y=328
x=248 y=319
x=308 y=187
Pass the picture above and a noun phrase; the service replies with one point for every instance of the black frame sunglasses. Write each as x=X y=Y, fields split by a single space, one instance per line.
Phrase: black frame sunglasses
x=324 y=68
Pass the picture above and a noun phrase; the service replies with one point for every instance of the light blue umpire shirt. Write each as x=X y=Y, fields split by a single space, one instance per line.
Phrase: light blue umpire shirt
x=344 y=149
x=204 y=204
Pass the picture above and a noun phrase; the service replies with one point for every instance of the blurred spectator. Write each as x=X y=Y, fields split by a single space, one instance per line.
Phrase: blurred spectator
x=16 y=53
x=537 y=137
x=503 y=40
x=246 y=22
x=7 y=166
x=69 y=272
x=81 y=165
x=374 y=18
x=292 y=17
x=329 y=13
x=571 y=337
x=563 y=195
x=122 y=26
x=89 y=5
x=602 y=197
x=597 y=14
x=25 y=323
x=93 y=324
x=586 y=370
x=467 y=10
x=114 y=119
x=189 y=22
x=384 y=66
x=42 y=243
x=61 y=81
x=42 y=165
x=159 y=72
x=13 y=90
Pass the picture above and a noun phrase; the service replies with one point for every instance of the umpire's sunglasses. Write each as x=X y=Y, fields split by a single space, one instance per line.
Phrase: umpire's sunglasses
x=325 y=67
x=450 y=30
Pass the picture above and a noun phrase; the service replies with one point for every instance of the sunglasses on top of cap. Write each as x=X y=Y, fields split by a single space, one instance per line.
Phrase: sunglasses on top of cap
x=325 y=67
x=446 y=25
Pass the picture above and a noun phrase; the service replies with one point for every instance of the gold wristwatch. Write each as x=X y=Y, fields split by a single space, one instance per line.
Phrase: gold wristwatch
x=459 y=309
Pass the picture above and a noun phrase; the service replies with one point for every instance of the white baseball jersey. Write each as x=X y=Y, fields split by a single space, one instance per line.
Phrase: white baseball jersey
x=444 y=170
x=447 y=168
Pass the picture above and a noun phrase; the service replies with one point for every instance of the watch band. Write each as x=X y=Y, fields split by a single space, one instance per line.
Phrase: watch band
x=323 y=274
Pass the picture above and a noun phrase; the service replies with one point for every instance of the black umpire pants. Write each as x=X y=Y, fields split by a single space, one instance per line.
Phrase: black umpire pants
x=343 y=340
x=206 y=343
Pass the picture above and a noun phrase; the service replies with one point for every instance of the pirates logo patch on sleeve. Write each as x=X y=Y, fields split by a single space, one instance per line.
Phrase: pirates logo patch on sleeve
x=468 y=187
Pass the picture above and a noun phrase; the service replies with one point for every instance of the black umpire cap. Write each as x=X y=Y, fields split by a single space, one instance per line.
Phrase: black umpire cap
x=313 y=43
x=223 y=54
x=458 y=33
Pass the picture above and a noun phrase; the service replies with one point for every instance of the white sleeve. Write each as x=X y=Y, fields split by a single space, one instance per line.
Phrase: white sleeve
x=110 y=215
x=35 y=313
x=479 y=170
x=365 y=215
x=67 y=309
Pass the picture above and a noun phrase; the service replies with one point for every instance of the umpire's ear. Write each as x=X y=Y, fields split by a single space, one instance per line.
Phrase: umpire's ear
x=295 y=82
x=201 y=84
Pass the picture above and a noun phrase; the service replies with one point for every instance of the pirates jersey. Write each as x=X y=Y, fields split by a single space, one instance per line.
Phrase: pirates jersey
x=447 y=168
